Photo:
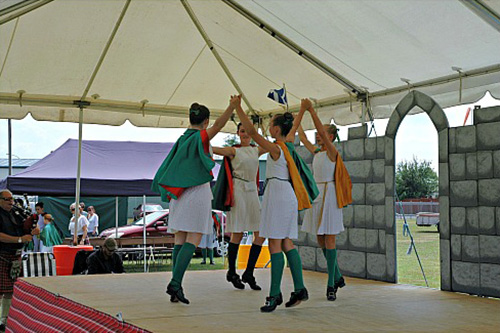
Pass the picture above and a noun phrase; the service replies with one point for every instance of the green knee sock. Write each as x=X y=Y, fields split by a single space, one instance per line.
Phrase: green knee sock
x=337 y=270
x=277 y=265
x=175 y=252
x=324 y=251
x=182 y=263
x=204 y=254
x=211 y=254
x=296 y=268
x=5 y=310
x=331 y=260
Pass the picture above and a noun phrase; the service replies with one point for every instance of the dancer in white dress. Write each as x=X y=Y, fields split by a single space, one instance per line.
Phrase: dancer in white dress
x=324 y=219
x=279 y=208
x=244 y=214
x=184 y=180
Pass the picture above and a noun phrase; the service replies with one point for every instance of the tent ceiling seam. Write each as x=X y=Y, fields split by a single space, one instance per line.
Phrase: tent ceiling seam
x=484 y=12
x=293 y=46
x=255 y=70
x=24 y=10
x=422 y=84
x=216 y=54
x=186 y=74
x=8 y=48
x=319 y=46
x=100 y=104
x=16 y=6
x=106 y=49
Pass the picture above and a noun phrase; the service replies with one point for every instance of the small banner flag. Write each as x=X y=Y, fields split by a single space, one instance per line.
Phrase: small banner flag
x=466 y=116
x=278 y=95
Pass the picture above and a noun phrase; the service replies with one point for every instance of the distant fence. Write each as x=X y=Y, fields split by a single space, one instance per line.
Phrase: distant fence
x=410 y=209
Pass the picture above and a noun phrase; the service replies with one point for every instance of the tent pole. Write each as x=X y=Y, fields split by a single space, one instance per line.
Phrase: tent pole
x=144 y=229
x=23 y=9
x=9 y=126
x=78 y=174
x=216 y=54
x=105 y=50
x=116 y=218
x=292 y=46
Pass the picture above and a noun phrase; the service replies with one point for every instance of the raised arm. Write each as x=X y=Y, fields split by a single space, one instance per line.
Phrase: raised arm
x=302 y=136
x=222 y=120
x=296 y=122
x=330 y=147
x=262 y=151
x=259 y=139
x=225 y=151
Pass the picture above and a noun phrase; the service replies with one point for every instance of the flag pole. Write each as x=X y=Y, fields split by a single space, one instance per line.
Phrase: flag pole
x=286 y=98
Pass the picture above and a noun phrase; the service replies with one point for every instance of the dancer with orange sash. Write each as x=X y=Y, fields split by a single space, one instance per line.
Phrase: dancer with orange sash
x=325 y=218
x=184 y=180
x=280 y=204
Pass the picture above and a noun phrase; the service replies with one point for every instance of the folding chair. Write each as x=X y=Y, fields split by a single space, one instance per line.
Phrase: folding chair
x=39 y=264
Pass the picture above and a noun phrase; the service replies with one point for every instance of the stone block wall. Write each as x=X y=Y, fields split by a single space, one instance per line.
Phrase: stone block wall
x=469 y=202
x=364 y=244
x=474 y=166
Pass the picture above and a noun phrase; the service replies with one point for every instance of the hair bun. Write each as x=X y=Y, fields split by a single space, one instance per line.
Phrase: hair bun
x=288 y=117
x=195 y=108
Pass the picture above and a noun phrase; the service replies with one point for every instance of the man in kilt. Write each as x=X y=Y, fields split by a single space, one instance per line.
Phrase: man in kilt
x=13 y=235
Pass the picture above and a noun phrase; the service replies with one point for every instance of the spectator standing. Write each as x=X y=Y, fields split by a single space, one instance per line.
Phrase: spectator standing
x=82 y=206
x=209 y=241
x=93 y=222
x=40 y=212
x=81 y=229
x=105 y=260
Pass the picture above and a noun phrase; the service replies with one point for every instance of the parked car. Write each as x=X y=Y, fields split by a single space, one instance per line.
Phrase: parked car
x=150 y=208
x=156 y=225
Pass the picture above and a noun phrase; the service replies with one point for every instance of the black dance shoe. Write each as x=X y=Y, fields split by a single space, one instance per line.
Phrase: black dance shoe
x=339 y=284
x=203 y=262
x=235 y=280
x=250 y=279
x=212 y=263
x=330 y=294
x=297 y=297
x=272 y=303
x=176 y=294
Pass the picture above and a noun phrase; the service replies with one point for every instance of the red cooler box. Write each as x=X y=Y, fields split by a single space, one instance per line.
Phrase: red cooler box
x=65 y=257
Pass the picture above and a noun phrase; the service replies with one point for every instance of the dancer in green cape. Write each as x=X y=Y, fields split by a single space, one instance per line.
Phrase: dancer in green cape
x=184 y=180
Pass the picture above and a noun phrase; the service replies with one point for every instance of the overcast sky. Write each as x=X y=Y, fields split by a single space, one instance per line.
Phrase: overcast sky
x=36 y=139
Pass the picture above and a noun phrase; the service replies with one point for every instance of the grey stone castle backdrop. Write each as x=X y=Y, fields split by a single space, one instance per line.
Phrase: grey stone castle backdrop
x=469 y=202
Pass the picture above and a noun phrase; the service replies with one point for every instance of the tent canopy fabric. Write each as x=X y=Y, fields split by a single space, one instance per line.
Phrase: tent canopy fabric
x=109 y=168
x=147 y=61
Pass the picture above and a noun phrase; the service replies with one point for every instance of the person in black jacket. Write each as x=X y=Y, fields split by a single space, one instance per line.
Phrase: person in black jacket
x=105 y=260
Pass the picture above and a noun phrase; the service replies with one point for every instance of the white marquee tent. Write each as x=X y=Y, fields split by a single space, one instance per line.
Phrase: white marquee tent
x=146 y=60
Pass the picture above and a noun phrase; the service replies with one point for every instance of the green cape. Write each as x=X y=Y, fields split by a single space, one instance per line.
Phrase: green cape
x=50 y=236
x=188 y=164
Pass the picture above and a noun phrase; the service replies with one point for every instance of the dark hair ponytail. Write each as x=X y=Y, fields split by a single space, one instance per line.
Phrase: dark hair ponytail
x=284 y=121
x=198 y=113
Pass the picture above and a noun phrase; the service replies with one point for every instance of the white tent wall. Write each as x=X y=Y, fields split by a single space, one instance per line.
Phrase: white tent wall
x=158 y=62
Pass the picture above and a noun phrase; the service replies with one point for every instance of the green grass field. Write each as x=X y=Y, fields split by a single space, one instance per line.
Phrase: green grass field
x=426 y=240
x=427 y=243
x=165 y=266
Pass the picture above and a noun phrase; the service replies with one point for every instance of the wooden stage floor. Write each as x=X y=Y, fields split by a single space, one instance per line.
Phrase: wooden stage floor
x=362 y=305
